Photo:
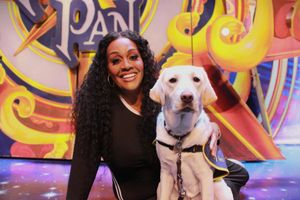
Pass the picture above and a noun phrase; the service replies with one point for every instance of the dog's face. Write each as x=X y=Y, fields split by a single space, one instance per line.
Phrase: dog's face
x=183 y=89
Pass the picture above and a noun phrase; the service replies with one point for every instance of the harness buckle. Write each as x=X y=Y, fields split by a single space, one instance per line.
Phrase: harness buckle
x=178 y=146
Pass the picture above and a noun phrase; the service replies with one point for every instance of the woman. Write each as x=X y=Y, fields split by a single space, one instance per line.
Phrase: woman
x=115 y=119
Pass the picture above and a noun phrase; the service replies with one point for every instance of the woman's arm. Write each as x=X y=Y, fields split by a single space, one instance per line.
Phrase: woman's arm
x=82 y=175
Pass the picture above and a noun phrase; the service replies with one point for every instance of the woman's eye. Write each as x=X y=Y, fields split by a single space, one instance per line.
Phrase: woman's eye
x=115 y=61
x=134 y=57
x=173 y=80
x=196 y=79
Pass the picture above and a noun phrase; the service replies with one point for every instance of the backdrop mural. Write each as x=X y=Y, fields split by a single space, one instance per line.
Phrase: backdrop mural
x=249 y=49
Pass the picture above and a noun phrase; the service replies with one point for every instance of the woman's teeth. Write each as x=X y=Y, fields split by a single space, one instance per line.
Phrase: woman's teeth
x=128 y=76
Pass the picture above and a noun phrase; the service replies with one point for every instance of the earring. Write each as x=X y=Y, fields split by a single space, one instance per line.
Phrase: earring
x=111 y=83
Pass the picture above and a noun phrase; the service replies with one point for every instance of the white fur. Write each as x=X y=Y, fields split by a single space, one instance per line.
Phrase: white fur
x=197 y=175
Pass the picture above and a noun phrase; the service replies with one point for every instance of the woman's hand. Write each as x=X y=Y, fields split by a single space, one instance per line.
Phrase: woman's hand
x=215 y=135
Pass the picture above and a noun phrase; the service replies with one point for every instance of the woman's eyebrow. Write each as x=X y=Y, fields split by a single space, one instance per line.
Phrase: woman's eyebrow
x=133 y=50
x=113 y=52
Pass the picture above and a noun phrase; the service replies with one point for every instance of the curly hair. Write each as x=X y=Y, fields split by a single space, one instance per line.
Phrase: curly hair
x=91 y=114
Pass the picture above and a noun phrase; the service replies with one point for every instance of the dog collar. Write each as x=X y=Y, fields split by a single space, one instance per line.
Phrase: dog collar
x=193 y=149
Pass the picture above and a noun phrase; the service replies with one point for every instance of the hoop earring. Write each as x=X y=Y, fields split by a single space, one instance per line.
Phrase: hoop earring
x=111 y=83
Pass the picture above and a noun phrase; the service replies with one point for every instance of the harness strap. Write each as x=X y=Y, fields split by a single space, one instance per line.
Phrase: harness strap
x=178 y=150
x=193 y=149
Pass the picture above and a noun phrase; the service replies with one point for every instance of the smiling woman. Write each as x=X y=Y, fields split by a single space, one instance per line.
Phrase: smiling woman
x=114 y=118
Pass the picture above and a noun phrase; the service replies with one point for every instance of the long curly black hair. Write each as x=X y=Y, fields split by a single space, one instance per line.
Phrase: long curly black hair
x=92 y=110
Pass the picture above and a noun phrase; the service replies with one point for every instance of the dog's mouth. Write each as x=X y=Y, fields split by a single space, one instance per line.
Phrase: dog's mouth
x=186 y=109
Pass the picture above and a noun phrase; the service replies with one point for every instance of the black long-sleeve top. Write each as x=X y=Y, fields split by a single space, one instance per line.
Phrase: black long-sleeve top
x=134 y=178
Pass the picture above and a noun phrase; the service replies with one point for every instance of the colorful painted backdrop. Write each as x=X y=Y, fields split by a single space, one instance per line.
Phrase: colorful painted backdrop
x=46 y=47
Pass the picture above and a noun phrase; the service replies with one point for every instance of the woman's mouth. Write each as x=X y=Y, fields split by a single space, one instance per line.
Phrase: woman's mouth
x=128 y=77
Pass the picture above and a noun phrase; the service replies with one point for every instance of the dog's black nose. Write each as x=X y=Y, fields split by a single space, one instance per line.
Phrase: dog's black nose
x=187 y=97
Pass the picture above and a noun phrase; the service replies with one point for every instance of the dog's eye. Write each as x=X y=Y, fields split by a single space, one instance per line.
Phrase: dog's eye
x=196 y=79
x=173 y=80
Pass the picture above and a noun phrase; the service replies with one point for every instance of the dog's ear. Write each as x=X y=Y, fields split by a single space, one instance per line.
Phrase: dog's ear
x=208 y=94
x=157 y=93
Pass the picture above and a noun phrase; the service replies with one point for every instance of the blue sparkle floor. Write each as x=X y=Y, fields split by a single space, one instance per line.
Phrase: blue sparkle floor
x=275 y=179
x=47 y=179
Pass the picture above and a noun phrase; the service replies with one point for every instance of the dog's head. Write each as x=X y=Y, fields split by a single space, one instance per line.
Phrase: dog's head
x=183 y=89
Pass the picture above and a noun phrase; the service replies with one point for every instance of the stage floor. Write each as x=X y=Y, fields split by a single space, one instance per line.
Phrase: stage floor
x=47 y=179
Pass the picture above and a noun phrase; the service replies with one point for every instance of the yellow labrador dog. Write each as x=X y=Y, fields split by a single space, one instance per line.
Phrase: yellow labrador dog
x=183 y=130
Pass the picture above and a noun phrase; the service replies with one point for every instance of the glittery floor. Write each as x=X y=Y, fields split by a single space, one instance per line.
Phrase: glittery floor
x=275 y=179
x=47 y=179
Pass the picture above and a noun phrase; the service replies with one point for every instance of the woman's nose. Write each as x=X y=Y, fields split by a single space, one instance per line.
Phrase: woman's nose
x=126 y=64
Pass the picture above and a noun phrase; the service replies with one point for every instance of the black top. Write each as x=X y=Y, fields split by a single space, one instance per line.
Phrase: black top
x=134 y=177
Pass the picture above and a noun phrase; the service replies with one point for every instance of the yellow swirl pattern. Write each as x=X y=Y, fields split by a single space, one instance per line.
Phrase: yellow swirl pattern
x=2 y=75
x=181 y=40
x=177 y=31
x=14 y=129
x=251 y=49
x=178 y=58
x=32 y=82
x=148 y=14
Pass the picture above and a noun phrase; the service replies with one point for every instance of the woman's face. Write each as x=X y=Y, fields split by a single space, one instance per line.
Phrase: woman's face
x=125 y=65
